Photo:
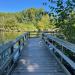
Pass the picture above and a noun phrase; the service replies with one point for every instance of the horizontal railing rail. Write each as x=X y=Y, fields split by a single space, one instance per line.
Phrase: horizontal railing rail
x=34 y=34
x=63 y=51
x=9 y=53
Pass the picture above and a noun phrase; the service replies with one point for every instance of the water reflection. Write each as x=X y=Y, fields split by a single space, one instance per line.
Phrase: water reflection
x=1 y=38
x=8 y=36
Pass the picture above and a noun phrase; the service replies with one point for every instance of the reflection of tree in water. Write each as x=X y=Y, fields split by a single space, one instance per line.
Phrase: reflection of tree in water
x=1 y=37
x=6 y=37
x=2 y=30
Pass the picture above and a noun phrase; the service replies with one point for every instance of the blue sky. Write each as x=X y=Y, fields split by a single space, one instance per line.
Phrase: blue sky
x=19 y=5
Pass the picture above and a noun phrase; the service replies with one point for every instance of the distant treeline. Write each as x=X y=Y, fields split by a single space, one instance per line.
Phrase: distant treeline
x=30 y=19
x=61 y=16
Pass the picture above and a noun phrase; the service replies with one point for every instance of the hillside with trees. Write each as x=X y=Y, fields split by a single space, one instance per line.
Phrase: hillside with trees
x=61 y=16
x=31 y=19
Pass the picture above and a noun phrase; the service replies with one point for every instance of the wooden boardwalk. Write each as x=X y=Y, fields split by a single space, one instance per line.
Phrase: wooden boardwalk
x=36 y=59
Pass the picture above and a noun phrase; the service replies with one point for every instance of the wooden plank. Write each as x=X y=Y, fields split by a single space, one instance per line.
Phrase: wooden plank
x=37 y=60
x=13 y=57
x=65 y=44
x=67 y=59
x=55 y=49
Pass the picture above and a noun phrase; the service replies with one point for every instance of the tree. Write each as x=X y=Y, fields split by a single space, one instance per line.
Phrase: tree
x=63 y=10
x=45 y=23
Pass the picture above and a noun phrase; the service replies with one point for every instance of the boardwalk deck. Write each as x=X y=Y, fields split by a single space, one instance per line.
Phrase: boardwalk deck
x=37 y=60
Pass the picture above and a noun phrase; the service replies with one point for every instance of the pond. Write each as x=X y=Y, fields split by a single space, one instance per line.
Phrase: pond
x=8 y=36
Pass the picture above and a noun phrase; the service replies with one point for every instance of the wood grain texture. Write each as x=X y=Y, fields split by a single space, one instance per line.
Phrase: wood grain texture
x=37 y=60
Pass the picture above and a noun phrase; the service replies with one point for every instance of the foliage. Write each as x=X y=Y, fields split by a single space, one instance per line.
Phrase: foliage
x=64 y=13
x=30 y=19
x=44 y=24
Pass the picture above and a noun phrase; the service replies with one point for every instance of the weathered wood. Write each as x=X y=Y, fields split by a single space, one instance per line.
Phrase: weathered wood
x=9 y=54
x=37 y=60
x=51 y=40
x=65 y=44
x=67 y=59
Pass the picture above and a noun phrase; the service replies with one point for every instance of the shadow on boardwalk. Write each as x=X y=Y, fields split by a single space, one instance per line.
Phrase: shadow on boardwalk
x=37 y=60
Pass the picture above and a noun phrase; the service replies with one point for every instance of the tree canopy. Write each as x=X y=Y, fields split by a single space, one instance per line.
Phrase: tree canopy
x=18 y=21
x=64 y=13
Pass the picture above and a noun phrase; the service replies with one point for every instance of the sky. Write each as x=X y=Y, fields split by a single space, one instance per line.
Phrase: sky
x=19 y=5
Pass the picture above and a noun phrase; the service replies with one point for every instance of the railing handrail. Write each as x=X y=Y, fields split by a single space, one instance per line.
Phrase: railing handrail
x=13 y=51
x=65 y=43
x=10 y=43
x=13 y=47
x=51 y=40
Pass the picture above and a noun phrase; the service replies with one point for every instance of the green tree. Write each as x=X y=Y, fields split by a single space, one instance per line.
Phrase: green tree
x=64 y=19
x=46 y=23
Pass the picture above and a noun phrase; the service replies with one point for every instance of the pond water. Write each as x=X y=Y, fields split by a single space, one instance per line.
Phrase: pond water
x=8 y=36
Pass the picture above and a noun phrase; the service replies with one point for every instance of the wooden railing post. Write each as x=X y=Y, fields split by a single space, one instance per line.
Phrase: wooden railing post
x=12 y=50
x=73 y=71
x=62 y=51
x=8 y=63
x=23 y=41
x=28 y=34
x=19 y=42
x=42 y=36
x=59 y=53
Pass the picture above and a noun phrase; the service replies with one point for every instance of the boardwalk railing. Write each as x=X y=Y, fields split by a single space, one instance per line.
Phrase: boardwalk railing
x=34 y=34
x=62 y=50
x=10 y=53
